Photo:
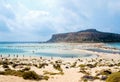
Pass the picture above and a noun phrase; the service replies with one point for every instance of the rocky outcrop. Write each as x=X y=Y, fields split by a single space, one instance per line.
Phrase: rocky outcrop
x=89 y=35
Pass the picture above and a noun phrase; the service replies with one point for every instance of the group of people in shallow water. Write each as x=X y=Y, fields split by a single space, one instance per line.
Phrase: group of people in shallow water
x=15 y=55
x=10 y=55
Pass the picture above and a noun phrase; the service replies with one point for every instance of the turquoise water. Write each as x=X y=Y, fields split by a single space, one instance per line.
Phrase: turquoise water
x=111 y=45
x=47 y=50
x=39 y=49
x=104 y=51
x=114 y=45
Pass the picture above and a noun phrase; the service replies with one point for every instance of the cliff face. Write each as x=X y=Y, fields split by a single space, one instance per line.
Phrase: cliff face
x=90 y=35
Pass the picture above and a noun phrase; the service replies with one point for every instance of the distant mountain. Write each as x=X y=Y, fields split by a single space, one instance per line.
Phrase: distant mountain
x=89 y=35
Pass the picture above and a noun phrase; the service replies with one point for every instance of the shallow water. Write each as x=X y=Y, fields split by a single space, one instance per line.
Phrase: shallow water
x=48 y=50
x=114 y=45
x=104 y=51
x=40 y=49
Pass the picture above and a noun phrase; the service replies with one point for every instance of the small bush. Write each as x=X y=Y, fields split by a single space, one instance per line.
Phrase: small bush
x=105 y=72
x=95 y=64
x=118 y=64
x=82 y=65
x=43 y=65
x=74 y=64
x=5 y=62
x=26 y=69
x=35 y=65
x=11 y=63
x=90 y=66
x=96 y=77
x=31 y=75
x=115 y=77
x=2 y=73
x=58 y=62
x=45 y=77
x=84 y=72
x=51 y=73
x=5 y=66
x=14 y=65
x=87 y=77
x=0 y=62
x=57 y=67
x=7 y=69
x=104 y=77
x=14 y=73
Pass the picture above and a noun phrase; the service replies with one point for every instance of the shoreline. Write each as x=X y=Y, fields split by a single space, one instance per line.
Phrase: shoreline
x=75 y=48
x=70 y=69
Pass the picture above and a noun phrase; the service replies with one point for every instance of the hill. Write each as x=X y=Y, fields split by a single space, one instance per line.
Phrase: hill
x=89 y=35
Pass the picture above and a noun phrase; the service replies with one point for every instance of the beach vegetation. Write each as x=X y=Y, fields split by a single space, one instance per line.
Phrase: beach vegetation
x=11 y=72
x=14 y=59
x=52 y=73
x=82 y=65
x=96 y=77
x=58 y=61
x=87 y=77
x=85 y=80
x=0 y=62
x=100 y=60
x=80 y=60
x=31 y=75
x=26 y=69
x=115 y=77
x=74 y=64
x=11 y=63
x=5 y=66
x=14 y=72
x=57 y=67
x=83 y=70
x=29 y=64
x=103 y=77
x=35 y=65
x=105 y=72
x=45 y=77
x=90 y=65
x=118 y=64
x=5 y=62
x=14 y=65
x=111 y=65
x=2 y=73
x=95 y=65
x=42 y=65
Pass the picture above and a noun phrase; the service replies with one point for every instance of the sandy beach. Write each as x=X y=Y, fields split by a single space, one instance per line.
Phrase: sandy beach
x=56 y=69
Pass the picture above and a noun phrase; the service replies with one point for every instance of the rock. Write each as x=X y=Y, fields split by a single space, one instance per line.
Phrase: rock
x=89 y=35
x=87 y=77
x=104 y=77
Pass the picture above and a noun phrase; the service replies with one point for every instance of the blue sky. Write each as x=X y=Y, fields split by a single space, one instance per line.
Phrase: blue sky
x=37 y=20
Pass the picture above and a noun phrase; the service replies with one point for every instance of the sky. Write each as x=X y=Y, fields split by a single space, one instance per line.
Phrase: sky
x=37 y=20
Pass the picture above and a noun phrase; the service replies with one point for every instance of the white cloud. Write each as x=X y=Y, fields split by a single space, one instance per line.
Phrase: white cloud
x=55 y=16
x=26 y=22
x=25 y=19
x=114 y=7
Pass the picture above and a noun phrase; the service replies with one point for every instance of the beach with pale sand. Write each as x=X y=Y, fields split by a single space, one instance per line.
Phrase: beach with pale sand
x=56 y=69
